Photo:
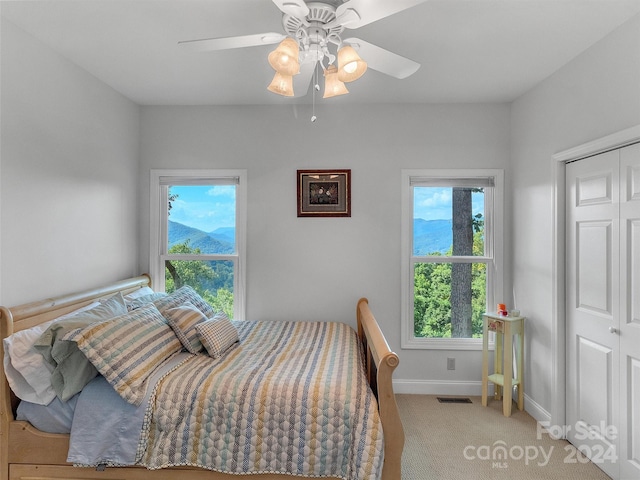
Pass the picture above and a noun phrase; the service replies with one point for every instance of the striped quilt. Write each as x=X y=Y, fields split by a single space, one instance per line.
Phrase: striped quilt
x=290 y=398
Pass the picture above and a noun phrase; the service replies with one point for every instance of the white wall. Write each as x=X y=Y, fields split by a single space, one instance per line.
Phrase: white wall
x=593 y=96
x=69 y=181
x=317 y=268
x=69 y=175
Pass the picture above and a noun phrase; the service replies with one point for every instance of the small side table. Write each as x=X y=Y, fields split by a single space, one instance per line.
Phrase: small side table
x=503 y=379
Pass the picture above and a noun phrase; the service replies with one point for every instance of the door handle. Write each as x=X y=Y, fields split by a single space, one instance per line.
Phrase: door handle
x=613 y=330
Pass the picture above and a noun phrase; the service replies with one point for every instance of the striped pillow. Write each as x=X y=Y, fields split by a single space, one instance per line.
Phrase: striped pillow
x=182 y=295
x=127 y=349
x=183 y=320
x=217 y=336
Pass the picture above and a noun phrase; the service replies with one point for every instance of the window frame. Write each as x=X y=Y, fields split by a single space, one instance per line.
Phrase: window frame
x=493 y=253
x=159 y=185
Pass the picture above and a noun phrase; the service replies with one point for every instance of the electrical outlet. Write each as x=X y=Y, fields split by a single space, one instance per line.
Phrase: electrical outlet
x=451 y=363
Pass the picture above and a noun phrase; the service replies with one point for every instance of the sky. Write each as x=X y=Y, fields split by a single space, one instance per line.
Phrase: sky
x=434 y=203
x=204 y=207
x=209 y=207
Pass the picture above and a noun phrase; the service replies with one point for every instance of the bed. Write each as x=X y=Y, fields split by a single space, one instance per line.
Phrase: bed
x=28 y=453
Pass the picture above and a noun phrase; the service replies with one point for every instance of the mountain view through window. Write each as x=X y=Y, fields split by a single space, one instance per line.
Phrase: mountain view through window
x=449 y=286
x=201 y=242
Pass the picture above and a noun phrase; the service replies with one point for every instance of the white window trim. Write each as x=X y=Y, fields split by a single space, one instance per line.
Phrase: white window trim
x=494 y=215
x=156 y=234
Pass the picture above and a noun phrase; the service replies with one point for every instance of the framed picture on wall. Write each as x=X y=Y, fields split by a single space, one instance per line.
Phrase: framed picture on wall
x=324 y=193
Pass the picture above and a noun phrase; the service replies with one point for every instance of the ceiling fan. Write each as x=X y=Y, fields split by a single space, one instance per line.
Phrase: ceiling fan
x=313 y=30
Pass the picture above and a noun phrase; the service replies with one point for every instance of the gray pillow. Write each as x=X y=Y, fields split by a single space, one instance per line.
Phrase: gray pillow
x=72 y=371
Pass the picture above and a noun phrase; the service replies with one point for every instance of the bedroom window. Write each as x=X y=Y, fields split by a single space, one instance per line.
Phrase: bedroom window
x=452 y=255
x=198 y=235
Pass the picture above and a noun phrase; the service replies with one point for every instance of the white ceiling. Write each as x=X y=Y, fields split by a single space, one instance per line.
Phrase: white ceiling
x=470 y=50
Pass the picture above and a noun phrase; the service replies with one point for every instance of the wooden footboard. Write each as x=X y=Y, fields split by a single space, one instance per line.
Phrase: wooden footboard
x=27 y=453
x=380 y=364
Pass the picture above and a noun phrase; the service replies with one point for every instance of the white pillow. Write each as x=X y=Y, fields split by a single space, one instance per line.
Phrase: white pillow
x=28 y=373
x=141 y=292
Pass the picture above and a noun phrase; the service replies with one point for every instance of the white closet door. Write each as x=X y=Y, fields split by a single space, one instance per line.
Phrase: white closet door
x=630 y=312
x=593 y=308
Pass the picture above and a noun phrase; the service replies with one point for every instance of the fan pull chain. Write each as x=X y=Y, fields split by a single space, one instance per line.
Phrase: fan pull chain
x=316 y=88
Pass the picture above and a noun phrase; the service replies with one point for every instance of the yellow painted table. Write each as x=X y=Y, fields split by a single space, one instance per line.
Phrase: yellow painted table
x=505 y=328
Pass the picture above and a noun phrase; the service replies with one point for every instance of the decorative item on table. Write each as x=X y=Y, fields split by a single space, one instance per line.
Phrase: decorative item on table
x=496 y=326
x=502 y=310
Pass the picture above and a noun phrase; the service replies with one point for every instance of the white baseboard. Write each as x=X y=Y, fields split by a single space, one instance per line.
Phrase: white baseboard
x=536 y=411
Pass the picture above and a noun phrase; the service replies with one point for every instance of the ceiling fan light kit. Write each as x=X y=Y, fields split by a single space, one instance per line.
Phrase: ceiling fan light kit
x=310 y=29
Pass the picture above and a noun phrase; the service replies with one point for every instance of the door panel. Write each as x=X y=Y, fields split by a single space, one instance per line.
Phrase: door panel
x=594 y=189
x=593 y=268
x=631 y=461
x=634 y=274
x=594 y=388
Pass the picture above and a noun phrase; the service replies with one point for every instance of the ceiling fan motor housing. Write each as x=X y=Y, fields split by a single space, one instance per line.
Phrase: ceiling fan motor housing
x=312 y=31
x=318 y=12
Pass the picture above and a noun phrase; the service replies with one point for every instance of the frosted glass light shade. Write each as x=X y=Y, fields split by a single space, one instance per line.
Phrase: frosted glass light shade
x=350 y=66
x=284 y=59
x=332 y=86
x=282 y=85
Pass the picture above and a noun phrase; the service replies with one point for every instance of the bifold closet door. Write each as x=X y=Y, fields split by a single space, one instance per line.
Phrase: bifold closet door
x=630 y=312
x=593 y=314
x=603 y=309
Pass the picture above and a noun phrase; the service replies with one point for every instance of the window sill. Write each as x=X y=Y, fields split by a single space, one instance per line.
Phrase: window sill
x=444 y=344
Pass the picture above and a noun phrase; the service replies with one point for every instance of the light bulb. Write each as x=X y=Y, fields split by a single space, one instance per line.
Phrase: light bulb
x=350 y=67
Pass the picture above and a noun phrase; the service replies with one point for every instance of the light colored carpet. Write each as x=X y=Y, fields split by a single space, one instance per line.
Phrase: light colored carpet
x=463 y=442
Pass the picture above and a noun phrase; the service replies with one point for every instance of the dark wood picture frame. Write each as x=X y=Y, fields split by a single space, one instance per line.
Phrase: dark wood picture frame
x=324 y=193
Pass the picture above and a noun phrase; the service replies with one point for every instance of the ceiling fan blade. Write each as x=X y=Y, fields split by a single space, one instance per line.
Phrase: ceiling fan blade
x=295 y=8
x=383 y=60
x=356 y=13
x=225 y=43
x=303 y=80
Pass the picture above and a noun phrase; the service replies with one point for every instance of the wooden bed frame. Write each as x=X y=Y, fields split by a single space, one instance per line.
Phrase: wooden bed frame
x=27 y=453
